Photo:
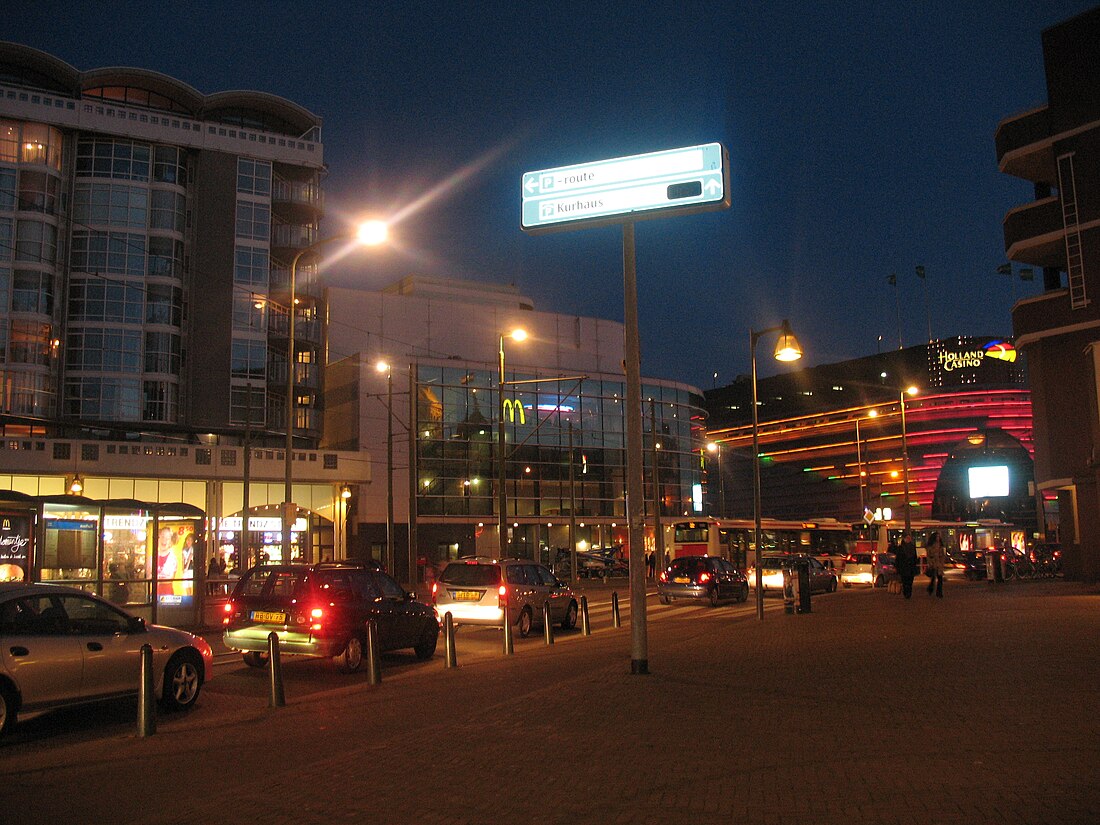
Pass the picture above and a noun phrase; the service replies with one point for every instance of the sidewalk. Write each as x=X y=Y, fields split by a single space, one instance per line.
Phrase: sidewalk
x=871 y=710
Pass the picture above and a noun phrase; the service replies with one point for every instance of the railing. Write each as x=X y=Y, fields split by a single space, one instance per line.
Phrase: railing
x=307 y=194
x=293 y=236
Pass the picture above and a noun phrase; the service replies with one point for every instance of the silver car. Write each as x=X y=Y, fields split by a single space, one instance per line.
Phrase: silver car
x=61 y=646
x=475 y=591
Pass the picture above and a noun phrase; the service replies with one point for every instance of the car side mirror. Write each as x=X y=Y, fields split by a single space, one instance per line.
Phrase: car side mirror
x=136 y=625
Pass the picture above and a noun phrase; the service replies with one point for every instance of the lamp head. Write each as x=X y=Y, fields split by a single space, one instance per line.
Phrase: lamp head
x=382 y=366
x=518 y=334
x=712 y=447
x=787 y=347
x=372 y=233
x=912 y=390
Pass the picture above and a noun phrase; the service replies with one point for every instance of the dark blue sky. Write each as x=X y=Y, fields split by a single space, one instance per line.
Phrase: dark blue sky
x=860 y=142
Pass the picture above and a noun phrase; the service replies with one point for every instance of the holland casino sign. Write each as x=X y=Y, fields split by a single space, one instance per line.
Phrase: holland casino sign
x=951 y=360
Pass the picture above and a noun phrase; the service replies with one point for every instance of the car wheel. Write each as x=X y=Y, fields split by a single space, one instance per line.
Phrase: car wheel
x=525 y=623
x=182 y=681
x=712 y=596
x=665 y=599
x=425 y=649
x=570 y=620
x=880 y=581
x=351 y=659
x=744 y=595
x=7 y=709
x=254 y=658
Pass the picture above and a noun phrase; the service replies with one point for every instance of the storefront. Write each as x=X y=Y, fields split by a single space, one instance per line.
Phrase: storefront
x=139 y=555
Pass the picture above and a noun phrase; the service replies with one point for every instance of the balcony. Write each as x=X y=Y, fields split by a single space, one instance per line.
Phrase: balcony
x=293 y=236
x=297 y=200
x=1034 y=233
x=1024 y=146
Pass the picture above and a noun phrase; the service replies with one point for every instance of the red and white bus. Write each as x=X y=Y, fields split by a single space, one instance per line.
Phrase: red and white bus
x=735 y=539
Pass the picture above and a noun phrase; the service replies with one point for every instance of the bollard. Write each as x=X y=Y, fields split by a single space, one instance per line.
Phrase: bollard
x=508 y=648
x=803 y=587
x=547 y=624
x=788 y=591
x=278 y=699
x=586 y=625
x=374 y=657
x=147 y=710
x=449 y=655
x=615 y=620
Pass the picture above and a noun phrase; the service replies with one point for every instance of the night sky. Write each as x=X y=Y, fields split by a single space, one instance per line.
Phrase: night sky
x=860 y=138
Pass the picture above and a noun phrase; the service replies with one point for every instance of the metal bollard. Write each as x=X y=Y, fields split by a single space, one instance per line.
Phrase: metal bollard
x=508 y=648
x=374 y=657
x=788 y=591
x=147 y=709
x=278 y=699
x=615 y=620
x=803 y=582
x=547 y=624
x=586 y=624
x=450 y=657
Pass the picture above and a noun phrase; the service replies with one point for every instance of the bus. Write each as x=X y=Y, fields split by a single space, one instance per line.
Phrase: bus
x=961 y=537
x=735 y=539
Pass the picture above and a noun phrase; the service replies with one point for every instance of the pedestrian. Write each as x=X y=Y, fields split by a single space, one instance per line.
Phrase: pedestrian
x=651 y=563
x=906 y=563
x=213 y=571
x=937 y=563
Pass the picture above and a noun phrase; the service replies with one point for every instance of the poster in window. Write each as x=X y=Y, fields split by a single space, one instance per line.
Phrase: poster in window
x=15 y=542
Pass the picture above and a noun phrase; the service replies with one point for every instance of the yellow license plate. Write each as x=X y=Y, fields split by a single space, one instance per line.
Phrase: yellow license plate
x=681 y=580
x=268 y=618
x=467 y=596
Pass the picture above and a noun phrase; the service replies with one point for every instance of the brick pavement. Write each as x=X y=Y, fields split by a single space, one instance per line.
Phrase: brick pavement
x=978 y=708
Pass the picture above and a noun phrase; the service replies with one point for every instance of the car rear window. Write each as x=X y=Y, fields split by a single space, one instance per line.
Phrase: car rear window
x=472 y=575
x=772 y=564
x=862 y=558
x=269 y=583
x=689 y=566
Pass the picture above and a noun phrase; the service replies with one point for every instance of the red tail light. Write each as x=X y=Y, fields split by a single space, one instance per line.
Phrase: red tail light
x=704 y=578
x=228 y=612
x=315 y=615
x=664 y=575
x=435 y=589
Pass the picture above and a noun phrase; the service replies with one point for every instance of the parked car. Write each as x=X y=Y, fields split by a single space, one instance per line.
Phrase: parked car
x=61 y=646
x=874 y=569
x=970 y=562
x=323 y=610
x=476 y=590
x=772 y=567
x=702 y=577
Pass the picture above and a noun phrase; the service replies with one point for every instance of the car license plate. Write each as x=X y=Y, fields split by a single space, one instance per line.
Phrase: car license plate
x=681 y=580
x=268 y=618
x=466 y=595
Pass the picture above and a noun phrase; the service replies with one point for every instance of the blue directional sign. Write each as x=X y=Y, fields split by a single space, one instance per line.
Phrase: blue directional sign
x=654 y=185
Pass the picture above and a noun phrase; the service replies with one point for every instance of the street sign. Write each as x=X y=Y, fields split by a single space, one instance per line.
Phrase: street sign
x=654 y=185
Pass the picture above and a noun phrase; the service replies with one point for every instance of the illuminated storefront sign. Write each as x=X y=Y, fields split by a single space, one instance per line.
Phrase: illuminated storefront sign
x=15 y=541
x=963 y=360
x=260 y=524
x=513 y=410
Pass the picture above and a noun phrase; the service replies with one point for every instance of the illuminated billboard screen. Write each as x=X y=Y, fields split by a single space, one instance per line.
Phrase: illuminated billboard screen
x=988 y=482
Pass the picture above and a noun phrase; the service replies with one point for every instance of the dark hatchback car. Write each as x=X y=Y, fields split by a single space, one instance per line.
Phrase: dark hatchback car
x=702 y=577
x=324 y=610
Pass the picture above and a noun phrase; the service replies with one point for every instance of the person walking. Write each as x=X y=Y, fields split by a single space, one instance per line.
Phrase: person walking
x=937 y=563
x=906 y=563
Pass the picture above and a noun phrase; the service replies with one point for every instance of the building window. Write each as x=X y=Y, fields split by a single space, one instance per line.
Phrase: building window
x=246 y=406
x=160 y=401
x=103 y=399
x=163 y=304
x=169 y=165
x=102 y=350
x=165 y=257
x=7 y=192
x=162 y=352
x=29 y=343
x=253 y=220
x=121 y=253
x=32 y=291
x=167 y=211
x=96 y=299
x=105 y=158
x=251 y=268
x=253 y=177
x=108 y=204
x=38 y=192
x=35 y=242
x=249 y=359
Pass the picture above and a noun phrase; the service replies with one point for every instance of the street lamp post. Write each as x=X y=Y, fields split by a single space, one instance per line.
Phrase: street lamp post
x=382 y=366
x=502 y=496
x=859 y=464
x=787 y=348
x=369 y=233
x=715 y=449
x=905 y=455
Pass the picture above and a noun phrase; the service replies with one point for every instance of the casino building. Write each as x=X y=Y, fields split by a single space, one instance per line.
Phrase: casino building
x=833 y=439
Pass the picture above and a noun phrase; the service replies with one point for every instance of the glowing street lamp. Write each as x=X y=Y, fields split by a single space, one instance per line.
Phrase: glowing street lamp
x=905 y=454
x=384 y=367
x=369 y=233
x=787 y=348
